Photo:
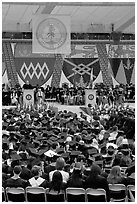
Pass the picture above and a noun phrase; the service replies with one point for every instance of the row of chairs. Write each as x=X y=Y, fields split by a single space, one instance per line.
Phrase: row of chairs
x=118 y=193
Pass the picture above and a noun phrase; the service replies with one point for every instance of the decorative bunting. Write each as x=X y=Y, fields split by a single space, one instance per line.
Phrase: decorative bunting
x=115 y=63
x=128 y=65
x=133 y=76
x=120 y=77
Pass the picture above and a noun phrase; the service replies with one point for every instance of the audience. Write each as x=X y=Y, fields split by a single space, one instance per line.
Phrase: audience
x=68 y=148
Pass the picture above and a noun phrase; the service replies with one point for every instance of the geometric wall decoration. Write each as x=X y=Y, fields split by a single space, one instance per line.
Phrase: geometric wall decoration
x=77 y=68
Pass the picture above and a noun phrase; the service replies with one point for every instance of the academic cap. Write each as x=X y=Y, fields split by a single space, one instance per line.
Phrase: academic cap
x=75 y=153
x=65 y=155
x=60 y=150
x=15 y=157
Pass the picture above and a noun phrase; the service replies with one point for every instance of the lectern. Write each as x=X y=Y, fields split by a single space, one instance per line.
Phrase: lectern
x=90 y=97
x=28 y=97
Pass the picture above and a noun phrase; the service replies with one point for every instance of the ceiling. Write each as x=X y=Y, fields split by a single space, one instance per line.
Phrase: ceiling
x=91 y=17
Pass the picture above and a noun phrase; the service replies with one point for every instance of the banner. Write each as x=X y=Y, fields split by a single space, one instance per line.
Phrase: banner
x=76 y=69
x=35 y=70
x=51 y=34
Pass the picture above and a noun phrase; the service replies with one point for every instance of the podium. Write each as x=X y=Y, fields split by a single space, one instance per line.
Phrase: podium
x=28 y=97
x=90 y=97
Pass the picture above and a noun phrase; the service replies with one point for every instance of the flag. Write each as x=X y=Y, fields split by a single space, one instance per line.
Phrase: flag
x=51 y=34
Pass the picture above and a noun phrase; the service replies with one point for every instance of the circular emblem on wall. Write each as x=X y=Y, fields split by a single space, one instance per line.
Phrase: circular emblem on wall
x=51 y=33
x=28 y=97
x=90 y=96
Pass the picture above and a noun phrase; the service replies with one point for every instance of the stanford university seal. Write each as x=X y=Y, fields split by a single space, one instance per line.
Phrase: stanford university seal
x=51 y=33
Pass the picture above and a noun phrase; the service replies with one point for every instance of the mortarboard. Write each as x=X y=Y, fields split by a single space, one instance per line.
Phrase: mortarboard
x=99 y=163
x=28 y=121
x=92 y=151
x=91 y=159
x=84 y=132
x=97 y=156
x=4 y=124
x=96 y=117
x=95 y=123
x=49 y=142
x=33 y=151
x=53 y=138
x=23 y=156
x=72 y=143
x=12 y=120
x=86 y=123
x=11 y=128
x=65 y=155
x=42 y=151
x=36 y=142
x=60 y=150
x=125 y=151
x=88 y=138
x=61 y=141
x=50 y=153
x=75 y=153
x=5 y=141
x=15 y=157
x=44 y=122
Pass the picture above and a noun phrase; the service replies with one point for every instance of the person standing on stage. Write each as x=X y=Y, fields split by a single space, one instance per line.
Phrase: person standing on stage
x=27 y=85
x=8 y=87
x=40 y=96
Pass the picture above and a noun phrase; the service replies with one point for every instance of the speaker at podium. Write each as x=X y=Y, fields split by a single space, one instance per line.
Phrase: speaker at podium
x=28 y=97
x=90 y=97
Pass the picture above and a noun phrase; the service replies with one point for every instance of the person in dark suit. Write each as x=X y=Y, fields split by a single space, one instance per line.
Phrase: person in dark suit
x=25 y=174
x=15 y=180
x=27 y=85
x=95 y=180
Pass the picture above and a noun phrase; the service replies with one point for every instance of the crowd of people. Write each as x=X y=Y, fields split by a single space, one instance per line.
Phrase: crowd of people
x=74 y=95
x=60 y=150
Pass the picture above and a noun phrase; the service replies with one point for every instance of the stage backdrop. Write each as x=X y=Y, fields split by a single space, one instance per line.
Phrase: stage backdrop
x=73 y=68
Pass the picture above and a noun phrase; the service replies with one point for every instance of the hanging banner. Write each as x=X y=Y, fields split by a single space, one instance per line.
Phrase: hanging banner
x=51 y=34
x=77 y=68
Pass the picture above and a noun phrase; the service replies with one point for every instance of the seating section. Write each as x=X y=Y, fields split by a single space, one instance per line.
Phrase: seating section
x=118 y=193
